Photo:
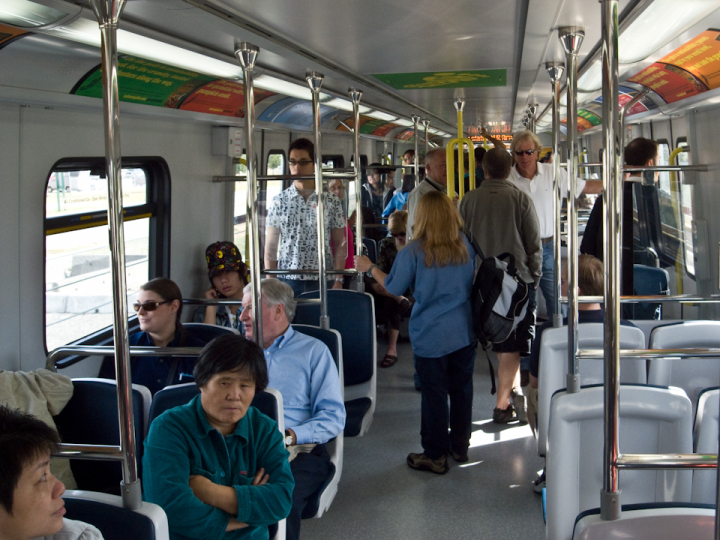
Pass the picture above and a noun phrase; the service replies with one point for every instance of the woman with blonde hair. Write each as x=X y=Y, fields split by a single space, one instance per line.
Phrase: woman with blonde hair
x=439 y=262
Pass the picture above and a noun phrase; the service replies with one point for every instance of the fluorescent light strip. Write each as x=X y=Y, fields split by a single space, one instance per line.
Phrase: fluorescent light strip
x=404 y=122
x=344 y=105
x=378 y=115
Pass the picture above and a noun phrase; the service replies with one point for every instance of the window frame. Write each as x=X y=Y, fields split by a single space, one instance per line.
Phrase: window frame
x=275 y=152
x=156 y=208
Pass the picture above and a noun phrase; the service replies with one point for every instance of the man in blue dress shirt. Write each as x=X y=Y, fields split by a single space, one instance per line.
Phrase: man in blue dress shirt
x=303 y=370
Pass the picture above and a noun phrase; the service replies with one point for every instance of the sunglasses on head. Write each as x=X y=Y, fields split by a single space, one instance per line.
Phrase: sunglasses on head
x=526 y=152
x=149 y=306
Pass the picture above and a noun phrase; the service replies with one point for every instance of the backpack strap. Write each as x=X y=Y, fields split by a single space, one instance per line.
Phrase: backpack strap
x=475 y=245
x=492 y=373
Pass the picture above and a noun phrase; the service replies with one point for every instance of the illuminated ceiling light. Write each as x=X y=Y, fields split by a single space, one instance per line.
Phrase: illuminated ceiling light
x=37 y=14
x=273 y=84
x=659 y=24
x=344 y=105
x=87 y=32
x=378 y=115
x=404 y=122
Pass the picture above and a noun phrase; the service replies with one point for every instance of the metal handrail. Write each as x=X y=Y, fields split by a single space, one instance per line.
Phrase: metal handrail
x=598 y=354
x=659 y=168
x=666 y=461
x=331 y=176
x=653 y=299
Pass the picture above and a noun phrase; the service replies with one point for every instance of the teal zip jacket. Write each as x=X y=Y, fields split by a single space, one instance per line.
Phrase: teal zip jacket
x=182 y=442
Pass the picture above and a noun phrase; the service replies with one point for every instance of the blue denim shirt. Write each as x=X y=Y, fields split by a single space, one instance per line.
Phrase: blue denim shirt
x=303 y=370
x=182 y=442
x=441 y=320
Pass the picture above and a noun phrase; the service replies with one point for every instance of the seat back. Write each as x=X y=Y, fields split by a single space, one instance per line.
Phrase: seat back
x=333 y=341
x=692 y=375
x=705 y=440
x=207 y=332
x=552 y=374
x=650 y=522
x=353 y=315
x=371 y=246
x=647 y=281
x=652 y=421
x=91 y=417
x=170 y=397
x=106 y=512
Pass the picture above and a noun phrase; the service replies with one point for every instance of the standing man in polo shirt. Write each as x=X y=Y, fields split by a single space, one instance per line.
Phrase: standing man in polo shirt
x=292 y=221
x=435 y=179
x=536 y=179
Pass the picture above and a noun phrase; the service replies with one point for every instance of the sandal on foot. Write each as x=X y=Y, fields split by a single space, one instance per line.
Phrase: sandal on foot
x=389 y=360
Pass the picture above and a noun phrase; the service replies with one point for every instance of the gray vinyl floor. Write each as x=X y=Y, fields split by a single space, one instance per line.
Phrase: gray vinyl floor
x=380 y=497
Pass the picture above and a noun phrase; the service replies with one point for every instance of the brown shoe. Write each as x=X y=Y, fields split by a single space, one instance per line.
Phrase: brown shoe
x=423 y=463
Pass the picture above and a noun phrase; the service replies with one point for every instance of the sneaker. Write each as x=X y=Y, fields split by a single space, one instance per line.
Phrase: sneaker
x=520 y=405
x=504 y=416
x=423 y=463
x=539 y=483
x=460 y=457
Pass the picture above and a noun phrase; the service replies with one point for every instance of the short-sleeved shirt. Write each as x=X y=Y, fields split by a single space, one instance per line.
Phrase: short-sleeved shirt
x=540 y=189
x=297 y=220
x=441 y=320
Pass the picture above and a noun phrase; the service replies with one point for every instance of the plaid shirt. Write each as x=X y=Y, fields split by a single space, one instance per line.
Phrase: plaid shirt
x=297 y=220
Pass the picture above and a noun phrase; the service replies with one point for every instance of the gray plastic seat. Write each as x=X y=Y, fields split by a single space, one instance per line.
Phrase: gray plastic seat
x=552 y=374
x=705 y=440
x=652 y=421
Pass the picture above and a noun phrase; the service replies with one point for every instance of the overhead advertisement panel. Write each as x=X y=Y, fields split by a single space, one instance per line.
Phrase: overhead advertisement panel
x=295 y=112
x=9 y=34
x=160 y=85
x=369 y=126
x=445 y=79
x=689 y=70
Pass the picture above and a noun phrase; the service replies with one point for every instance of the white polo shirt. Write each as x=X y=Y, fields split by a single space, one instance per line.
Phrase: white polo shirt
x=540 y=190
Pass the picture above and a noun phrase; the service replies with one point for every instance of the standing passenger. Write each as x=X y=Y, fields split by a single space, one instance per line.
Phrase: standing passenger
x=292 y=221
x=373 y=193
x=537 y=179
x=502 y=219
x=435 y=180
x=438 y=263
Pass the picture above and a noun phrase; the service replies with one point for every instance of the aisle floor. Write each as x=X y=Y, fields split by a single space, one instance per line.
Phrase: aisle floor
x=380 y=497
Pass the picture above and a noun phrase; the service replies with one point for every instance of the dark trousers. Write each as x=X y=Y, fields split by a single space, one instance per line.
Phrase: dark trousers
x=449 y=375
x=310 y=472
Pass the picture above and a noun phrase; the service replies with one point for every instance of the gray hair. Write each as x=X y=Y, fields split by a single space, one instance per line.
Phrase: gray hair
x=276 y=292
x=433 y=154
x=522 y=136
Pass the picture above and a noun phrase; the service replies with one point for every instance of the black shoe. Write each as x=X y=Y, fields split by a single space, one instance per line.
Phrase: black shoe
x=519 y=403
x=539 y=483
x=423 y=463
x=504 y=416
x=460 y=457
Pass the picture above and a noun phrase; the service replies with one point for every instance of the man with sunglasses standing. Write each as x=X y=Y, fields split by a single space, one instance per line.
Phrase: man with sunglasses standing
x=292 y=223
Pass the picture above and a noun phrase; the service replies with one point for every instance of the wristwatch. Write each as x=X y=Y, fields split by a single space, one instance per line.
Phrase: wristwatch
x=369 y=270
x=288 y=438
x=338 y=279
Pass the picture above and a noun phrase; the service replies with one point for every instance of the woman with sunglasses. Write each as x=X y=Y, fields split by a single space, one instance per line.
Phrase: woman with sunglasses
x=439 y=264
x=158 y=306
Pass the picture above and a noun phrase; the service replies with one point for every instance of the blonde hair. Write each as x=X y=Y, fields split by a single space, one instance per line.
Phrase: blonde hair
x=521 y=137
x=590 y=275
x=397 y=222
x=437 y=229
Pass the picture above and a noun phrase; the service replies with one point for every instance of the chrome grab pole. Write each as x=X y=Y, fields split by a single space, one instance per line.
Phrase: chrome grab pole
x=556 y=70
x=623 y=112
x=533 y=119
x=108 y=13
x=247 y=54
x=610 y=505
x=315 y=80
x=355 y=96
x=571 y=39
x=426 y=125
x=416 y=161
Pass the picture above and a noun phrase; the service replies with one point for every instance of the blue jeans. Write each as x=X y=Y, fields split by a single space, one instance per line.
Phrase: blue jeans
x=448 y=375
x=547 y=281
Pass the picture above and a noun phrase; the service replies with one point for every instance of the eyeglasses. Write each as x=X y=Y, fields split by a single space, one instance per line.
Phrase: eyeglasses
x=149 y=306
x=526 y=152
x=301 y=163
x=398 y=235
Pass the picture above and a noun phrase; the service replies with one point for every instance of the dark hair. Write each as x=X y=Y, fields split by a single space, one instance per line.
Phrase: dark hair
x=23 y=439
x=375 y=168
x=408 y=183
x=303 y=144
x=231 y=352
x=168 y=290
x=497 y=163
x=479 y=155
x=411 y=152
x=640 y=151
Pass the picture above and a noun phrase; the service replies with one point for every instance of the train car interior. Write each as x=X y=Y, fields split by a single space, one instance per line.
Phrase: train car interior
x=166 y=124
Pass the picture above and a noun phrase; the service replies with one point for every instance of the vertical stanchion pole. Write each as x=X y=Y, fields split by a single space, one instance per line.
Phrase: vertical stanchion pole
x=416 y=162
x=571 y=39
x=355 y=96
x=315 y=80
x=532 y=109
x=459 y=106
x=247 y=55
x=108 y=14
x=610 y=506
x=556 y=70
x=426 y=125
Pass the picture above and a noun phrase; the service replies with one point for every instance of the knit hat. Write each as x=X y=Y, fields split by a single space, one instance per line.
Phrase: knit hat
x=223 y=257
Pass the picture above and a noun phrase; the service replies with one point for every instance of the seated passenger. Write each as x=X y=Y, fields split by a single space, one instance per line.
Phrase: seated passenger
x=337 y=188
x=228 y=276
x=399 y=199
x=159 y=306
x=30 y=496
x=374 y=192
x=303 y=370
x=391 y=308
x=218 y=466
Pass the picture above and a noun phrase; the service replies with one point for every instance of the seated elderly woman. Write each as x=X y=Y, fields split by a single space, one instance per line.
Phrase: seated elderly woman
x=228 y=276
x=217 y=466
x=159 y=306
x=390 y=307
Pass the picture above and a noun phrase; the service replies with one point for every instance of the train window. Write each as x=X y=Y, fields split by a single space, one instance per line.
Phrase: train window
x=276 y=162
x=240 y=206
x=78 y=283
x=333 y=161
x=686 y=198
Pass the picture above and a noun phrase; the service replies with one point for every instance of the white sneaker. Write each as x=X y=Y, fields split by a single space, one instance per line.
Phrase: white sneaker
x=519 y=403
